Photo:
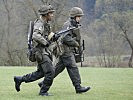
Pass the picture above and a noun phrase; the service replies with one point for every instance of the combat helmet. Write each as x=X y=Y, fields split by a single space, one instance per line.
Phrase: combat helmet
x=76 y=11
x=45 y=9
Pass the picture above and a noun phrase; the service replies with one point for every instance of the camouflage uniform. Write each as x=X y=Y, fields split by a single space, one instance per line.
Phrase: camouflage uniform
x=42 y=54
x=67 y=59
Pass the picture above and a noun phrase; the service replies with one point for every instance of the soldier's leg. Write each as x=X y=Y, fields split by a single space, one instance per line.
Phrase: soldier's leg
x=33 y=76
x=72 y=70
x=58 y=69
x=74 y=75
x=28 y=78
x=49 y=72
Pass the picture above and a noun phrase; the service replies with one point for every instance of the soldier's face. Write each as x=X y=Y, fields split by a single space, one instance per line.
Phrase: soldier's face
x=78 y=18
x=50 y=16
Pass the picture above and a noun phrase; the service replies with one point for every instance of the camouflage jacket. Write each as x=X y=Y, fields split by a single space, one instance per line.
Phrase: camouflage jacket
x=40 y=33
x=70 y=41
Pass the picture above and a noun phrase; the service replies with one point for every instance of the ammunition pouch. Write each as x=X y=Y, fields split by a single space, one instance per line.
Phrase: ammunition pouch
x=38 y=55
x=35 y=55
x=77 y=58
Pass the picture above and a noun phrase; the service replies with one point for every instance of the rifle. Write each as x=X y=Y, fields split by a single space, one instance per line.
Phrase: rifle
x=62 y=32
x=59 y=34
x=31 y=54
x=30 y=33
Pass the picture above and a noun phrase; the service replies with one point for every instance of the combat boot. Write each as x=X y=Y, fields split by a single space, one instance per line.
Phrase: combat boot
x=18 y=80
x=44 y=90
x=80 y=89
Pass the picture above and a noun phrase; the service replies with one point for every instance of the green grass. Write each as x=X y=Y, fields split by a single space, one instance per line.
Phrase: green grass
x=106 y=84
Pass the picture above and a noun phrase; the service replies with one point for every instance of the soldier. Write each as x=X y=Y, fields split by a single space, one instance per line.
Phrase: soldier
x=67 y=59
x=43 y=55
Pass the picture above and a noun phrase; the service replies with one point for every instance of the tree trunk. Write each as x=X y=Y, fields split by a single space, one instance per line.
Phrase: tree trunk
x=130 y=44
x=130 y=60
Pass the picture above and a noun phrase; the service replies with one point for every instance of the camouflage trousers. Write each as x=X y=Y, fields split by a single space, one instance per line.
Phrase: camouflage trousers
x=44 y=69
x=69 y=63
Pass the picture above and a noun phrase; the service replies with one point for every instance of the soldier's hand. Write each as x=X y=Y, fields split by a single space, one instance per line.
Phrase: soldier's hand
x=50 y=36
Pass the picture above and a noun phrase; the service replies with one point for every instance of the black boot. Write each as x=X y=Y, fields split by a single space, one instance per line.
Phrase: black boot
x=18 y=80
x=44 y=89
x=80 y=89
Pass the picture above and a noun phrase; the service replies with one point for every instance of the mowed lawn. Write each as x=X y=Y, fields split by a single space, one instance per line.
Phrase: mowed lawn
x=106 y=84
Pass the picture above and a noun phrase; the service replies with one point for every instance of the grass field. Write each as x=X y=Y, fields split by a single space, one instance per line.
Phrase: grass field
x=106 y=84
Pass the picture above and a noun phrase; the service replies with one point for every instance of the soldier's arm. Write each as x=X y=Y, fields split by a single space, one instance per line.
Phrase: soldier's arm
x=71 y=42
x=37 y=34
x=68 y=40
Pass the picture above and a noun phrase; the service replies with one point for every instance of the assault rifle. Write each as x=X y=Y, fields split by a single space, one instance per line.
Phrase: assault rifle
x=62 y=32
x=30 y=54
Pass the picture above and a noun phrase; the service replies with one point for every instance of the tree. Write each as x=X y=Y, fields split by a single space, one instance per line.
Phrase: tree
x=108 y=44
x=8 y=9
x=124 y=21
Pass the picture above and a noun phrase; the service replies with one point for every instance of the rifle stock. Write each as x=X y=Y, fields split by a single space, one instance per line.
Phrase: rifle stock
x=30 y=33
